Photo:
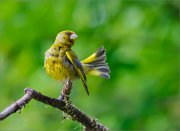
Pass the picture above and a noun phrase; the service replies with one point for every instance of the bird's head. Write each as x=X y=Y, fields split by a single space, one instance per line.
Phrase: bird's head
x=66 y=38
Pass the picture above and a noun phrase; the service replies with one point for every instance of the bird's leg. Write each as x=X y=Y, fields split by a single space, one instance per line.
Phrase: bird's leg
x=66 y=90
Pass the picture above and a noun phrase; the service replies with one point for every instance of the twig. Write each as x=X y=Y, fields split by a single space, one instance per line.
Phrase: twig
x=70 y=109
x=66 y=90
x=18 y=105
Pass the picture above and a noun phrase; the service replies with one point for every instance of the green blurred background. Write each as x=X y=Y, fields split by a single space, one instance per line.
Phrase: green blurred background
x=142 y=43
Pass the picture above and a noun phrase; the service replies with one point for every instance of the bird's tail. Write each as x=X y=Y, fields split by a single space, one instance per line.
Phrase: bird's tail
x=96 y=64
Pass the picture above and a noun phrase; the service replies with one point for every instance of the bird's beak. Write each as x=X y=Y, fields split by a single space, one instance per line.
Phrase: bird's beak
x=73 y=36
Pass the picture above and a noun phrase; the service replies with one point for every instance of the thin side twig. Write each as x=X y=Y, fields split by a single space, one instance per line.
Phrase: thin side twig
x=18 y=105
x=66 y=90
x=65 y=106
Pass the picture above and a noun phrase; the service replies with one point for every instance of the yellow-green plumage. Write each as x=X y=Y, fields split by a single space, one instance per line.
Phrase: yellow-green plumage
x=62 y=64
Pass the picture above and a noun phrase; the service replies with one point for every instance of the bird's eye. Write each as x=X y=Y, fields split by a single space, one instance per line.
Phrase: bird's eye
x=68 y=33
x=59 y=48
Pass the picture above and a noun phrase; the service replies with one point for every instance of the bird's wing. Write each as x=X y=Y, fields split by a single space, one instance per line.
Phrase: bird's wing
x=77 y=65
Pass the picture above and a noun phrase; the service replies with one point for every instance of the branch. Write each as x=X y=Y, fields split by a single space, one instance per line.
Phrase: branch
x=65 y=106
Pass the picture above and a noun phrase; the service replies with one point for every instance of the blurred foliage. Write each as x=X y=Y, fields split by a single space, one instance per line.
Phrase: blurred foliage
x=142 y=42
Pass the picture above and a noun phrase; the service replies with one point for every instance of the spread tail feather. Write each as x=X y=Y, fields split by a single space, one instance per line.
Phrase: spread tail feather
x=96 y=64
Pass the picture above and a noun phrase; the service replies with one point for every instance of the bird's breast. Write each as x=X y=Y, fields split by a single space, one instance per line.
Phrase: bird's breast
x=59 y=67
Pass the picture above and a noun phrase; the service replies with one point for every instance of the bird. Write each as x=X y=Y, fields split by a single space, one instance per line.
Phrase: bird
x=62 y=64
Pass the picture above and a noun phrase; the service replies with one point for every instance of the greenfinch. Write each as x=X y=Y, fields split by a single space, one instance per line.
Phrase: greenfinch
x=62 y=64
